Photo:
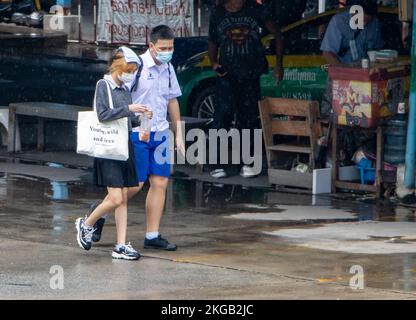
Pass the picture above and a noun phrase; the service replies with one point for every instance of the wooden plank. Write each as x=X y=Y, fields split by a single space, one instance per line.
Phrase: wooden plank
x=50 y=105
x=70 y=115
x=355 y=186
x=49 y=110
x=291 y=148
x=290 y=107
x=315 y=130
x=291 y=128
x=290 y=178
x=266 y=126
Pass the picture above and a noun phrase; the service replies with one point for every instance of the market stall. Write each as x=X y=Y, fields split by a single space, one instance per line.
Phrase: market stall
x=367 y=97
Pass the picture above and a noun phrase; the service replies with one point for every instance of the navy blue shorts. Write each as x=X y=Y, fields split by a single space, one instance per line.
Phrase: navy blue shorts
x=153 y=157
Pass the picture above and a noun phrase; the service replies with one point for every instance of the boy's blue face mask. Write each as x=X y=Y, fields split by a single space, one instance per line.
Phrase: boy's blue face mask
x=164 y=57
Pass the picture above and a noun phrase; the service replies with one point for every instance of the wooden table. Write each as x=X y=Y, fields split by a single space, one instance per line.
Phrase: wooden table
x=336 y=184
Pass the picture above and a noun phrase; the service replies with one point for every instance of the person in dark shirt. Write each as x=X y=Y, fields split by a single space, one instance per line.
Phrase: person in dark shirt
x=235 y=33
x=343 y=45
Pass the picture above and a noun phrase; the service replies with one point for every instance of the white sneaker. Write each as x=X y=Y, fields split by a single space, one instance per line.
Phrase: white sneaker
x=248 y=172
x=125 y=253
x=219 y=173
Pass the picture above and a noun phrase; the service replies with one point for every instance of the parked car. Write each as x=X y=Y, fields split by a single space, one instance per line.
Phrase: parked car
x=186 y=47
x=305 y=76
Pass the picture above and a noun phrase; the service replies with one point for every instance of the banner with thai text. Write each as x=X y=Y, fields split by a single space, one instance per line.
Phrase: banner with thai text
x=130 y=21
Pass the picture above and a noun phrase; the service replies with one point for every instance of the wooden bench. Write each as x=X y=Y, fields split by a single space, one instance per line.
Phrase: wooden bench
x=41 y=110
x=48 y=110
x=298 y=119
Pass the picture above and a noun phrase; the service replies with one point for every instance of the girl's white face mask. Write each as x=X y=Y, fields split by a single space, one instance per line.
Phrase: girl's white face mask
x=126 y=77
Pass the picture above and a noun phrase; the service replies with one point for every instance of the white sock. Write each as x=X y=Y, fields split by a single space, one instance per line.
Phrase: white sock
x=86 y=226
x=152 y=235
x=119 y=246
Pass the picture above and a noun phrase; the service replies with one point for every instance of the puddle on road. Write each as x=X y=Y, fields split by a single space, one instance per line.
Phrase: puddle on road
x=370 y=237
x=38 y=200
x=20 y=194
x=39 y=209
x=212 y=199
x=299 y=213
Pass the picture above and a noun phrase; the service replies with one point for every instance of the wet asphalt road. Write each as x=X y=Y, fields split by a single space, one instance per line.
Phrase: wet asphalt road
x=234 y=244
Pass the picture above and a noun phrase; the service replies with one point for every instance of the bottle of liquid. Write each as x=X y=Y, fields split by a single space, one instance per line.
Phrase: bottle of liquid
x=322 y=148
x=401 y=112
x=144 y=129
x=395 y=137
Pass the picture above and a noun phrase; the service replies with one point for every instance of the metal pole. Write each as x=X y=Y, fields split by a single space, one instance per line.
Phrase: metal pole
x=409 y=178
x=79 y=21
x=199 y=17
x=131 y=13
x=112 y=24
x=95 y=19
x=322 y=6
x=145 y=27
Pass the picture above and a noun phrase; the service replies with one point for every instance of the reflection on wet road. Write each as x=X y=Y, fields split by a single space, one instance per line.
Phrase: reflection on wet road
x=232 y=237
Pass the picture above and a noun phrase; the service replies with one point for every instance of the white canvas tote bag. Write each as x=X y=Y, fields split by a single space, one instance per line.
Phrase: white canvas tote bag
x=107 y=140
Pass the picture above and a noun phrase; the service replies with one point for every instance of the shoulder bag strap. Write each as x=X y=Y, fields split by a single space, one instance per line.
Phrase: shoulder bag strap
x=110 y=97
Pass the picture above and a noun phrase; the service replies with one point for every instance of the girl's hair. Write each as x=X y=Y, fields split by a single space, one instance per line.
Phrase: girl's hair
x=118 y=63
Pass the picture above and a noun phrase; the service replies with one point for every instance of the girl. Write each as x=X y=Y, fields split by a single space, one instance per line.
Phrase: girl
x=117 y=176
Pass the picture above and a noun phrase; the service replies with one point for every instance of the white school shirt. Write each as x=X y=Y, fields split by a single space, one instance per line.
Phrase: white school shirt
x=153 y=90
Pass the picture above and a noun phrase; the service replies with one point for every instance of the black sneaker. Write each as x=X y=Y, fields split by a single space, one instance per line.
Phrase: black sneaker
x=125 y=253
x=99 y=225
x=98 y=229
x=159 y=243
x=84 y=234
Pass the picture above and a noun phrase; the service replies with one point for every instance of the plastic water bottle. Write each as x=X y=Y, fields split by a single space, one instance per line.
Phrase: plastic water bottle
x=401 y=112
x=144 y=129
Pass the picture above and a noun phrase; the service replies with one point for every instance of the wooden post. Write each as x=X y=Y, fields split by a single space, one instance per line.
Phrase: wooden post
x=11 y=145
x=41 y=134
x=199 y=194
x=334 y=156
x=379 y=161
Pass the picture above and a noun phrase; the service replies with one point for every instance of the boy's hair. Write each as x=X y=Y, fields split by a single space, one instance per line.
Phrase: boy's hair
x=161 y=32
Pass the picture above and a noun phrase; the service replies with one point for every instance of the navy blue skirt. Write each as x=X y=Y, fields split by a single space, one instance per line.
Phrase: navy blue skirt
x=114 y=173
